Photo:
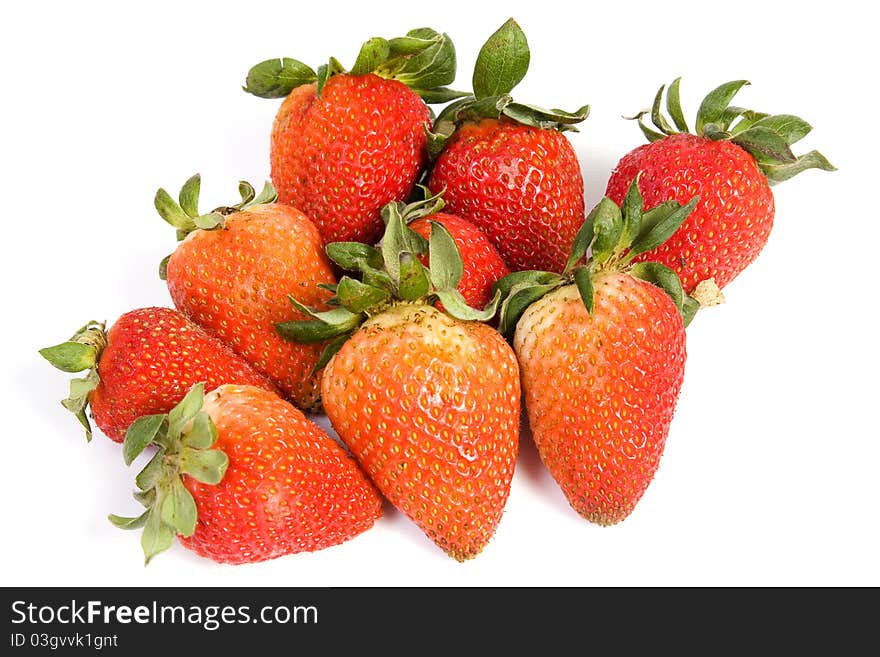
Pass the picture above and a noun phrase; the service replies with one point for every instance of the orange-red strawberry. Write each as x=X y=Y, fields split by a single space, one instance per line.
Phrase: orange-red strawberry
x=144 y=364
x=240 y=476
x=730 y=163
x=602 y=353
x=232 y=274
x=506 y=166
x=427 y=400
x=346 y=142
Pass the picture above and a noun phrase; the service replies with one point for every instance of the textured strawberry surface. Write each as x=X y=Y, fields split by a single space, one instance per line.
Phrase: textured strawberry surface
x=341 y=157
x=600 y=390
x=732 y=221
x=152 y=359
x=520 y=185
x=429 y=406
x=235 y=282
x=482 y=264
x=289 y=487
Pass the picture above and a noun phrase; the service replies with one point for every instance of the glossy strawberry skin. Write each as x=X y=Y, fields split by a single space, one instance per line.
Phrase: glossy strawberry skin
x=733 y=219
x=341 y=157
x=520 y=185
x=289 y=486
x=601 y=390
x=235 y=282
x=482 y=264
x=429 y=406
x=152 y=358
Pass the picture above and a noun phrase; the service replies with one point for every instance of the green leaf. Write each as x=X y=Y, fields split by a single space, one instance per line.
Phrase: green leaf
x=502 y=62
x=425 y=68
x=129 y=523
x=354 y=255
x=763 y=141
x=157 y=536
x=583 y=279
x=519 y=297
x=178 y=508
x=71 y=356
x=186 y=409
x=149 y=476
x=171 y=212
x=140 y=433
x=189 y=195
x=276 y=78
x=673 y=106
x=661 y=276
x=777 y=173
x=791 y=128
x=372 y=53
x=440 y=95
x=414 y=283
x=456 y=306
x=410 y=44
x=631 y=210
x=357 y=297
x=654 y=233
x=202 y=434
x=716 y=102
x=446 y=265
x=607 y=227
x=205 y=465
x=538 y=117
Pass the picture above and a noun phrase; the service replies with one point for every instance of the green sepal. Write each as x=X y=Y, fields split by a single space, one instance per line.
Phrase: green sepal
x=186 y=409
x=764 y=142
x=276 y=78
x=354 y=256
x=546 y=119
x=372 y=53
x=171 y=212
x=583 y=240
x=631 y=210
x=414 y=282
x=583 y=279
x=432 y=65
x=447 y=267
x=661 y=276
x=140 y=433
x=330 y=350
x=202 y=434
x=777 y=173
x=189 y=195
x=71 y=356
x=716 y=102
x=502 y=62
x=148 y=477
x=357 y=297
x=455 y=305
x=658 y=225
x=440 y=95
x=518 y=291
x=129 y=523
x=607 y=229
x=673 y=106
x=326 y=71
x=146 y=497
x=323 y=325
x=791 y=128
x=157 y=536
x=650 y=135
x=163 y=267
x=657 y=117
x=398 y=239
x=689 y=308
x=178 y=508
x=205 y=465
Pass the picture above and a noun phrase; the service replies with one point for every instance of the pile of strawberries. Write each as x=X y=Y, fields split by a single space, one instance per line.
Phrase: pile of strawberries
x=417 y=276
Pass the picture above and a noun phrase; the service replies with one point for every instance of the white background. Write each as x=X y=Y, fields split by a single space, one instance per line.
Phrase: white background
x=770 y=472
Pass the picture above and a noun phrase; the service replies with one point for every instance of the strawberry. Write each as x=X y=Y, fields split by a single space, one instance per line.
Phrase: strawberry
x=144 y=364
x=428 y=401
x=731 y=163
x=346 y=142
x=240 y=475
x=506 y=166
x=233 y=270
x=602 y=352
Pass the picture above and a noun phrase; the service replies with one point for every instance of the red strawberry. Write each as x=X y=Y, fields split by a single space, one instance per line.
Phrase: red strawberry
x=427 y=401
x=482 y=264
x=233 y=272
x=602 y=353
x=345 y=143
x=145 y=364
x=506 y=166
x=730 y=163
x=241 y=476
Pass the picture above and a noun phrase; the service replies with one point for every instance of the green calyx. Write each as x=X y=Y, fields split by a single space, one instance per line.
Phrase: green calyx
x=768 y=137
x=184 y=215
x=608 y=240
x=502 y=63
x=184 y=440
x=424 y=60
x=81 y=352
x=384 y=275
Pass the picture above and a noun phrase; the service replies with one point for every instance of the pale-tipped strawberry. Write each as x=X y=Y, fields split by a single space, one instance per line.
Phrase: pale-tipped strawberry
x=143 y=364
x=428 y=401
x=732 y=162
x=240 y=475
x=602 y=352
x=347 y=141
x=231 y=274
x=507 y=166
